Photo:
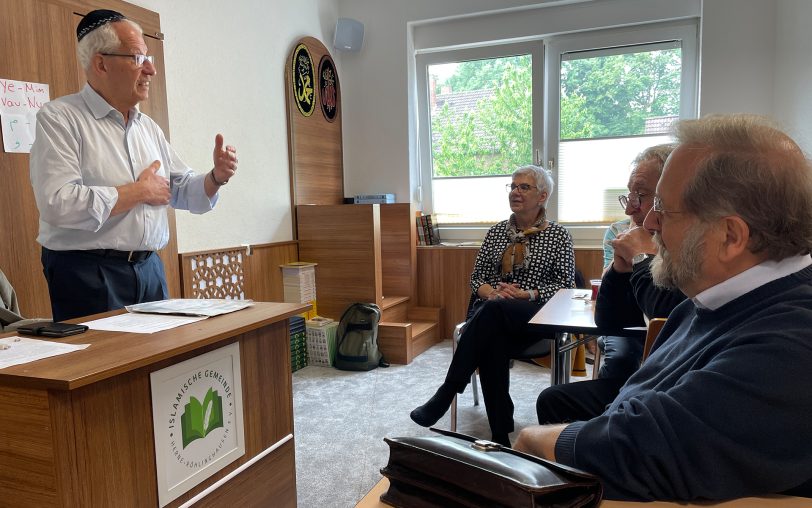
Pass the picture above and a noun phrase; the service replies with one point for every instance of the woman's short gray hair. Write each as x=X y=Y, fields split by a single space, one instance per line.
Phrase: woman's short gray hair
x=101 y=40
x=543 y=178
x=755 y=171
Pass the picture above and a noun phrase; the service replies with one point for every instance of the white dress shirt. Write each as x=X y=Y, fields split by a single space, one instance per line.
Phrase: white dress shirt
x=82 y=151
x=750 y=279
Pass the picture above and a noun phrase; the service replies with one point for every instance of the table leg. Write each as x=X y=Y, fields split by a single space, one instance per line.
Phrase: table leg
x=555 y=364
x=566 y=361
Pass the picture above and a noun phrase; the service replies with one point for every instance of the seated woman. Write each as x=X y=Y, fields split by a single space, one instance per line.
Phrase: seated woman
x=523 y=262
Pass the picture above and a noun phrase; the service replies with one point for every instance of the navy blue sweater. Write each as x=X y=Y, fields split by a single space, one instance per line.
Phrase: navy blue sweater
x=721 y=409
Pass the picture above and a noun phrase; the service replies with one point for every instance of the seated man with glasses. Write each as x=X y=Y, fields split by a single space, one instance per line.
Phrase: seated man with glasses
x=626 y=297
x=720 y=409
x=103 y=175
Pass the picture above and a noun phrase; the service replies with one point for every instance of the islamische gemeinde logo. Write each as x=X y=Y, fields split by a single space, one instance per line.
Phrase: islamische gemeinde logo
x=205 y=405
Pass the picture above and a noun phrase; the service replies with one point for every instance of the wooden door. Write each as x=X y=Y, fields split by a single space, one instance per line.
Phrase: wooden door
x=38 y=44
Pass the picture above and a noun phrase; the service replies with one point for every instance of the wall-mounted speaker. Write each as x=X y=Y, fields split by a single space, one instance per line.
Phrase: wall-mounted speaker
x=349 y=35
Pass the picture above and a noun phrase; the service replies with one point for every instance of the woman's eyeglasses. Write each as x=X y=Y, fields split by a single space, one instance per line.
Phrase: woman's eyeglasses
x=521 y=187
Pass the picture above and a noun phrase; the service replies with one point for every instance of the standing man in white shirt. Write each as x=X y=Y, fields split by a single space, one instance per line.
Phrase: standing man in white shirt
x=103 y=174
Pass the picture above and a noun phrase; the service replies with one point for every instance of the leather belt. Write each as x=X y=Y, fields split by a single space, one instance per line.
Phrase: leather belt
x=131 y=256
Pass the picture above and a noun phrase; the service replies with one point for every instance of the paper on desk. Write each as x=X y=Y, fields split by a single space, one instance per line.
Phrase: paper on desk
x=191 y=306
x=17 y=350
x=141 y=323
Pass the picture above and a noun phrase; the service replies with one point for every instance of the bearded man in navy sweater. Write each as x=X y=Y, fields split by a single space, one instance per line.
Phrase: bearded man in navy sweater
x=721 y=407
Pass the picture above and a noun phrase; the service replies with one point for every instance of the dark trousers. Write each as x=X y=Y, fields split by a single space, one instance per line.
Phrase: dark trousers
x=497 y=330
x=81 y=284
x=578 y=401
x=621 y=357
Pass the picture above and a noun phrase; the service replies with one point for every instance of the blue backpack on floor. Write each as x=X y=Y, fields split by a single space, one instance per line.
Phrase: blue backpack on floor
x=357 y=338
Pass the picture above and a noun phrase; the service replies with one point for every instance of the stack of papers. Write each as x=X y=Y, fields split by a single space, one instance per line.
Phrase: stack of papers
x=299 y=282
x=207 y=307
x=151 y=317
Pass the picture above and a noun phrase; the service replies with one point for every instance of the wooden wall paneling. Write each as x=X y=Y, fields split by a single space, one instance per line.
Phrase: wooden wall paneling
x=590 y=263
x=398 y=250
x=345 y=241
x=263 y=277
x=314 y=144
x=38 y=44
x=35 y=46
x=443 y=276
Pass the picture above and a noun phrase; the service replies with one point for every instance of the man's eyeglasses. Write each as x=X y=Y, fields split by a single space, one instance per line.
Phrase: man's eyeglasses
x=522 y=187
x=635 y=199
x=139 y=59
x=659 y=210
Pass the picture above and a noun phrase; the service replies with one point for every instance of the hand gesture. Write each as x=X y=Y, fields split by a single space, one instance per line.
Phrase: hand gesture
x=154 y=187
x=225 y=161
x=635 y=241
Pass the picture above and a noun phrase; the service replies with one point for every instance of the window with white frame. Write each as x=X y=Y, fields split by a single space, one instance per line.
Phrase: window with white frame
x=583 y=105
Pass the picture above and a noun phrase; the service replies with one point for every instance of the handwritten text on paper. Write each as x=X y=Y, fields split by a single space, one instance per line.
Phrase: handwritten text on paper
x=19 y=103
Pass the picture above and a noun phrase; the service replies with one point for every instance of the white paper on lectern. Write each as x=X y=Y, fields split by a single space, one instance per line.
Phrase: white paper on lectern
x=141 y=323
x=17 y=350
x=191 y=306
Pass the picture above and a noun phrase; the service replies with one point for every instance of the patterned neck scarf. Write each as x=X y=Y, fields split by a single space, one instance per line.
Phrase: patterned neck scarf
x=516 y=255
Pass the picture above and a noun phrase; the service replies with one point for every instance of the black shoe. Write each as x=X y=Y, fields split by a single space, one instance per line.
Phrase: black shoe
x=428 y=414
x=502 y=439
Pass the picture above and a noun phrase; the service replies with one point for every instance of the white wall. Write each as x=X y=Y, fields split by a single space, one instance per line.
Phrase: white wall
x=738 y=50
x=793 y=71
x=225 y=73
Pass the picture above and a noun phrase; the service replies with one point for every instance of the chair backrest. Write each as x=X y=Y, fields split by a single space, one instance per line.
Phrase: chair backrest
x=654 y=327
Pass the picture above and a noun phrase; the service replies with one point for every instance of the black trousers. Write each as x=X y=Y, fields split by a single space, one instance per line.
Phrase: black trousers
x=578 y=401
x=621 y=356
x=81 y=283
x=497 y=330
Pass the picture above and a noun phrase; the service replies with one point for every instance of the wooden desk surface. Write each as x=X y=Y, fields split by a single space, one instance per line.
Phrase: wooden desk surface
x=113 y=353
x=571 y=311
x=372 y=500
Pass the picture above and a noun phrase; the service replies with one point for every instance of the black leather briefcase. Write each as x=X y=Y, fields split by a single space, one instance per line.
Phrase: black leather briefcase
x=452 y=470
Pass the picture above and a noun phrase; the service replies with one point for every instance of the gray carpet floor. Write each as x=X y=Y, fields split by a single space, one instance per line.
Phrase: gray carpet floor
x=341 y=418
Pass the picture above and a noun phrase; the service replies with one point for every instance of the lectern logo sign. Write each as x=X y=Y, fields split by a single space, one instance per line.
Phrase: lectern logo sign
x=197 y=419
x=200 y=419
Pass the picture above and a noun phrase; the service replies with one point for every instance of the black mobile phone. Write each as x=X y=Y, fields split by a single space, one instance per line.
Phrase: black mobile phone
x=52 y=329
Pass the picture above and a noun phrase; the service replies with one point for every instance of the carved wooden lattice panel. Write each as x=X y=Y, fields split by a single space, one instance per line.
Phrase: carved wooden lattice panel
x=218 y=275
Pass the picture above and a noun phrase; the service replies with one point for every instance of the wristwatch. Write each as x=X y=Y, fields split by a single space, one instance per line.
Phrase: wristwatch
x=638 y=258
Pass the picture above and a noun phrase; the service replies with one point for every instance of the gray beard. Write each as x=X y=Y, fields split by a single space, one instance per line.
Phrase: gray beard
x=670 y=274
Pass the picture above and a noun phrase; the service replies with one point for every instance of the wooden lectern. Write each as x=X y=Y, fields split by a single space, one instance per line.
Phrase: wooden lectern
x=77 y=429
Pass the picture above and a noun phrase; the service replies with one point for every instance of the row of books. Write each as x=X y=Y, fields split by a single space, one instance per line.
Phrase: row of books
x=298 y=343
x=427 y=231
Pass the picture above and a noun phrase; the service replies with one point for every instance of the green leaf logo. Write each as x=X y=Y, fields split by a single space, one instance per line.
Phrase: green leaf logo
x=199 y=419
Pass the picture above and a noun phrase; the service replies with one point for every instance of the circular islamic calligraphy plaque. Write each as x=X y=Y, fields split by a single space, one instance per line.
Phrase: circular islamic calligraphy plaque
x=303 y=80
x=328 y=88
